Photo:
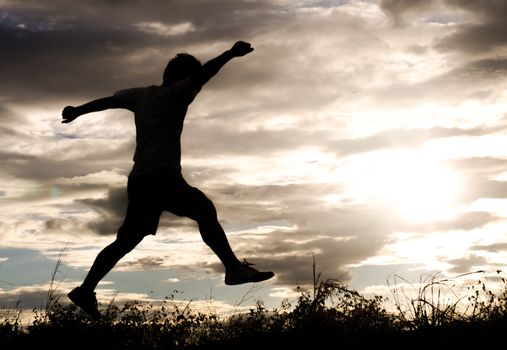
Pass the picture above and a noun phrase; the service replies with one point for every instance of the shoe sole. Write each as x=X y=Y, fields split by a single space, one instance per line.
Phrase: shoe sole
x=261 y=276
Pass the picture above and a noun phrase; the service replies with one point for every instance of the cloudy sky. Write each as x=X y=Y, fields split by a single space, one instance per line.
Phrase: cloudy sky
x=368 y=134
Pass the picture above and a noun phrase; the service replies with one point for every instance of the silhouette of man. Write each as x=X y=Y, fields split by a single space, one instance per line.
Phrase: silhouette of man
x=155 y=183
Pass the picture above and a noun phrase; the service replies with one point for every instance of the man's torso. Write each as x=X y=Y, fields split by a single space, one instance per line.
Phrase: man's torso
x=159 y=116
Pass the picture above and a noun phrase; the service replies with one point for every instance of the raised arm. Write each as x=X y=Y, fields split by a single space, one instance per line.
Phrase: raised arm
x=210 y=68
x=70 y=113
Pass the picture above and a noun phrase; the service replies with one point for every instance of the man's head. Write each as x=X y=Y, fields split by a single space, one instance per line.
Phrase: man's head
x=180 y=67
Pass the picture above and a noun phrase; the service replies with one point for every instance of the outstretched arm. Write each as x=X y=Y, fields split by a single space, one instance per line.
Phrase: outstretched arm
x=70 y=113
x=210 y=68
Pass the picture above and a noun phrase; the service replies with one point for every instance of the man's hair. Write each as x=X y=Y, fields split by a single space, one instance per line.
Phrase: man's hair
x=180 y=67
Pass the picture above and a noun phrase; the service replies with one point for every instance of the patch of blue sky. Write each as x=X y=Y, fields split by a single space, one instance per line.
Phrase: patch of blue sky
x=443 y=18
x=326 y=3
x=65 y=136
x=26 y=267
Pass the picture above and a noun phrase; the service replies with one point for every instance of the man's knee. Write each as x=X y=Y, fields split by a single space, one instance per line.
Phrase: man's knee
x=206 y=210
x=128 y=242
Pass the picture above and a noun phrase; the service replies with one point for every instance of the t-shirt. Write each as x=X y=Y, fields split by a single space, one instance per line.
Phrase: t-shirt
x=159 y=113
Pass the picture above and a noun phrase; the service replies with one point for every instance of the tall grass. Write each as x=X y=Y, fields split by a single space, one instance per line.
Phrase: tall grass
x=434 y=302
x=430 y=313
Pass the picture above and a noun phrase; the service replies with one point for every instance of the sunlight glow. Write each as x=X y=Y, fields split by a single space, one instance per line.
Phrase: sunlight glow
x=411 y=183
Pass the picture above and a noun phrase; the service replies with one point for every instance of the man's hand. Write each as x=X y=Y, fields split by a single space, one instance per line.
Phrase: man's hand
x=241 y=48
x=70 y=113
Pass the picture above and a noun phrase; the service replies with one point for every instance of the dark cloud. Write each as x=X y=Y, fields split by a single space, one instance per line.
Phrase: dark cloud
x=110 y=210
x=145 y=263
x=48 y=65
x=297 y=269
x=42 y=168
x=36 y=167
x=487 y=32
x=493 y=68
x=291 y=255
x=467 y=264
x=88 y=48
x=477 y=79
x=60 y=13
x=478 y=38
x=24 y=298
x=54 y=224
x=493 y=248
x=91 y=49
x=484 y=30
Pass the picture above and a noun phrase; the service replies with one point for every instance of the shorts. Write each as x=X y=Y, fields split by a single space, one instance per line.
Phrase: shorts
x=151 y=194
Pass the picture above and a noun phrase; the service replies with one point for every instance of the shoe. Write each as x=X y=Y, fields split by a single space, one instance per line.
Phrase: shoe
x=85 y=300
x=244 y=273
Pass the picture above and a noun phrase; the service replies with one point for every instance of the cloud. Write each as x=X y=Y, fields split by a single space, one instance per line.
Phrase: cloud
x=488 y=68
x=403 y=138
x=61 y=54
x=464 y=221
x=146 y=263
x=471 y=80
x=495 y=247
x=43 y=168
x=110 y=210
x=485 y=33
x=480 y=28
x=467 y=264
x=479 y=178
x=162 y=29
x=38 y=167
x=397 y=8
x=24 y=297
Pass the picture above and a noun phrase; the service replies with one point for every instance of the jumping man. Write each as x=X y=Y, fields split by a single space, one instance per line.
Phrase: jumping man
x=155 y=183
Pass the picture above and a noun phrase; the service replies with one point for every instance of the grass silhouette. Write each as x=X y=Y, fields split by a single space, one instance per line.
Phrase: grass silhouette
x=429 y=314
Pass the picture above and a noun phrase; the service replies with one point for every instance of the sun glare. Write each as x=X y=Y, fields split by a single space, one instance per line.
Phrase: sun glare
x=416 y=187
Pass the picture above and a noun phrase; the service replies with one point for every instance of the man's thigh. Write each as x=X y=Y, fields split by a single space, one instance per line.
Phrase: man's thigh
x=188 y=201
x=143 y=210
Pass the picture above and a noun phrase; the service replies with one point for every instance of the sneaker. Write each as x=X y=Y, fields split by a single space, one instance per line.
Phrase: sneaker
x=244 y=273
x=85 y=300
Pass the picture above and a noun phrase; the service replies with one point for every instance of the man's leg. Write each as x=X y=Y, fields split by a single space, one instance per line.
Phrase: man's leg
x=202 y=210
x=141 y=219
x=107 y=259
x=214 y=236
x=84 y=295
